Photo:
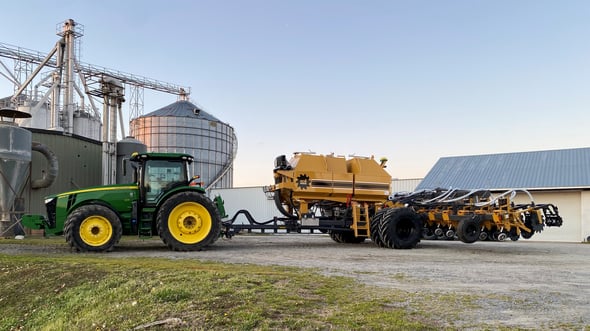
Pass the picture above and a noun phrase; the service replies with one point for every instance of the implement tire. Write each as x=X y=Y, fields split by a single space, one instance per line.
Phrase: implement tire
x=468 y=230
x=93 y=228
x=528 y=222
x=346 y=237
x=374 y=228
x=188 y=221
x=400 y=228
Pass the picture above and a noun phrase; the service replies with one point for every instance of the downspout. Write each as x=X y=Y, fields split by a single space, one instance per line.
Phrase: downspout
x=51 y=174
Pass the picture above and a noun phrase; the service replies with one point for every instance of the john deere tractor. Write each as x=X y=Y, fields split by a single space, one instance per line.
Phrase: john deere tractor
x=163 y=199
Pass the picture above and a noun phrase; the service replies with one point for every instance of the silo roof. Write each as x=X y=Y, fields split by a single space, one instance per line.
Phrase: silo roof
x=183 y=108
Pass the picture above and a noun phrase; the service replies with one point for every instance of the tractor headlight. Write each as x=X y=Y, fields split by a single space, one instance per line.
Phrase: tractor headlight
x=49 y=200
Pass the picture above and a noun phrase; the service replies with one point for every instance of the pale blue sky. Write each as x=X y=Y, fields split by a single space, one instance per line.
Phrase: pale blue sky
x=412 y=81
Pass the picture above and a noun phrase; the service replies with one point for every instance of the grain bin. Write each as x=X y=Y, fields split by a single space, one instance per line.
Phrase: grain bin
x=182 y=127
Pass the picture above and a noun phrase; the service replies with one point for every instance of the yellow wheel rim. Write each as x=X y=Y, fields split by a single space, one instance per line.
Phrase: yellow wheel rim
x=189 y=222
x=96 y=230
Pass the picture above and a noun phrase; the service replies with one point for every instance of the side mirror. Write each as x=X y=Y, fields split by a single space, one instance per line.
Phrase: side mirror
x=194 y=182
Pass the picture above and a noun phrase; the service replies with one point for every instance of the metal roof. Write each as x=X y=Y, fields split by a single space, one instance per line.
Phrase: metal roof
x=183 y=108
x=565 y=168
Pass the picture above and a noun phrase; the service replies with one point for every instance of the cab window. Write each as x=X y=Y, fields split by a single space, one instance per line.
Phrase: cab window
x=160 y=175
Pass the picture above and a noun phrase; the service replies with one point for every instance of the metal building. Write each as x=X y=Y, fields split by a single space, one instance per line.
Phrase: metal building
x=560 y=177
x=78 y=166
x=182 y=127
x=404 y=184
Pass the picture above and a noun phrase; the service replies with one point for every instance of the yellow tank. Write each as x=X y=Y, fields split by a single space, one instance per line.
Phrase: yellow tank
x=308 y=180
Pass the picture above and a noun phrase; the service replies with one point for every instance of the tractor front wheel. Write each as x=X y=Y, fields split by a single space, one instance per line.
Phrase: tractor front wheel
x=93 y=228
x=188 y=221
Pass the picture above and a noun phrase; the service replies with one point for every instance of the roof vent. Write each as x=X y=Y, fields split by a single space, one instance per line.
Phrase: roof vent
x=196 y=111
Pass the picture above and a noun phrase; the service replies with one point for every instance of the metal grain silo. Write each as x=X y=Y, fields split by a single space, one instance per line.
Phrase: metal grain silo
x=87 y=125
x=182 y=127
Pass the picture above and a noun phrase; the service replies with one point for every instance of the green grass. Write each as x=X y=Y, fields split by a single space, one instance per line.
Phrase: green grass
x=60 y=290
x=93 y=292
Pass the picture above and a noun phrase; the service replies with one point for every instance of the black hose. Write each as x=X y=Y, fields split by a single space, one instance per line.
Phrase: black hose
x=249 y=217
x=279 y=205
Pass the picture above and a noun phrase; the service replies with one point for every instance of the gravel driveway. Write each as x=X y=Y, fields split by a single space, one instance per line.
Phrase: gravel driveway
x=510 y=284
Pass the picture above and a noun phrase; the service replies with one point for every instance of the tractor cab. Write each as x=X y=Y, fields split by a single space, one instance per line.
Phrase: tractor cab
x=158 y=173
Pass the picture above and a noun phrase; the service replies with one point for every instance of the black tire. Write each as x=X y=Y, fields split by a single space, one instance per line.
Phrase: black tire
x=401 y=228
x=529 y=219
x=468 y=230
x=346 y=237
x=374 y=228
x=428 y=234
x=484 y=235
x=526 y=234
x=335 y=236
x=188 y=221
x=93 y=228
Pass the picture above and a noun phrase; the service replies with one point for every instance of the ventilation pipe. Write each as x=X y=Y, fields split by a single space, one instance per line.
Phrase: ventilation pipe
x=51 y=173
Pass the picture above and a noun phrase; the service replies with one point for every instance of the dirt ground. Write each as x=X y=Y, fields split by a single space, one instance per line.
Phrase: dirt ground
x=513 y=284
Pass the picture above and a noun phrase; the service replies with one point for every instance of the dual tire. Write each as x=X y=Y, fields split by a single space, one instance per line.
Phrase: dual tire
x=399 y=228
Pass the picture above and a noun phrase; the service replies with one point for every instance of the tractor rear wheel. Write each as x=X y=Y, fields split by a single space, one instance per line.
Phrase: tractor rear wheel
x=93 y=228
x=400 y=228
x=374 y=228
x=188 y=221
x=468 y=230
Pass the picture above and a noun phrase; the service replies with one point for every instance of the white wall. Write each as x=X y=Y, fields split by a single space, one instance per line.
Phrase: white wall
x=252 y=199
x=570 y=207
x=585 y=215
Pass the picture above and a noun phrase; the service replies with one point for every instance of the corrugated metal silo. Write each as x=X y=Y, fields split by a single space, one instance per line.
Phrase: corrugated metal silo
x=182 y=127
x=87 y=125
x=39 y=115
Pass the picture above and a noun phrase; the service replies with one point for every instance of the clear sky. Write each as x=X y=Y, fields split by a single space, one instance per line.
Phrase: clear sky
x=411 y=80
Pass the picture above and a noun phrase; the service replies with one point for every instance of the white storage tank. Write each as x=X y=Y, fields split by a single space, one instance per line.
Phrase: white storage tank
x=39 y=115
x=87 y=125
x=182 y=127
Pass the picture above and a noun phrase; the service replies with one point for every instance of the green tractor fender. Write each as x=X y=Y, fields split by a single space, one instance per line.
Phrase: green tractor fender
x=182 y=188
x=179 y=188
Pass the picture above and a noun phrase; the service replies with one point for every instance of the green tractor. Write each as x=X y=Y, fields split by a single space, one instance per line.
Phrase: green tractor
x=163 y=199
